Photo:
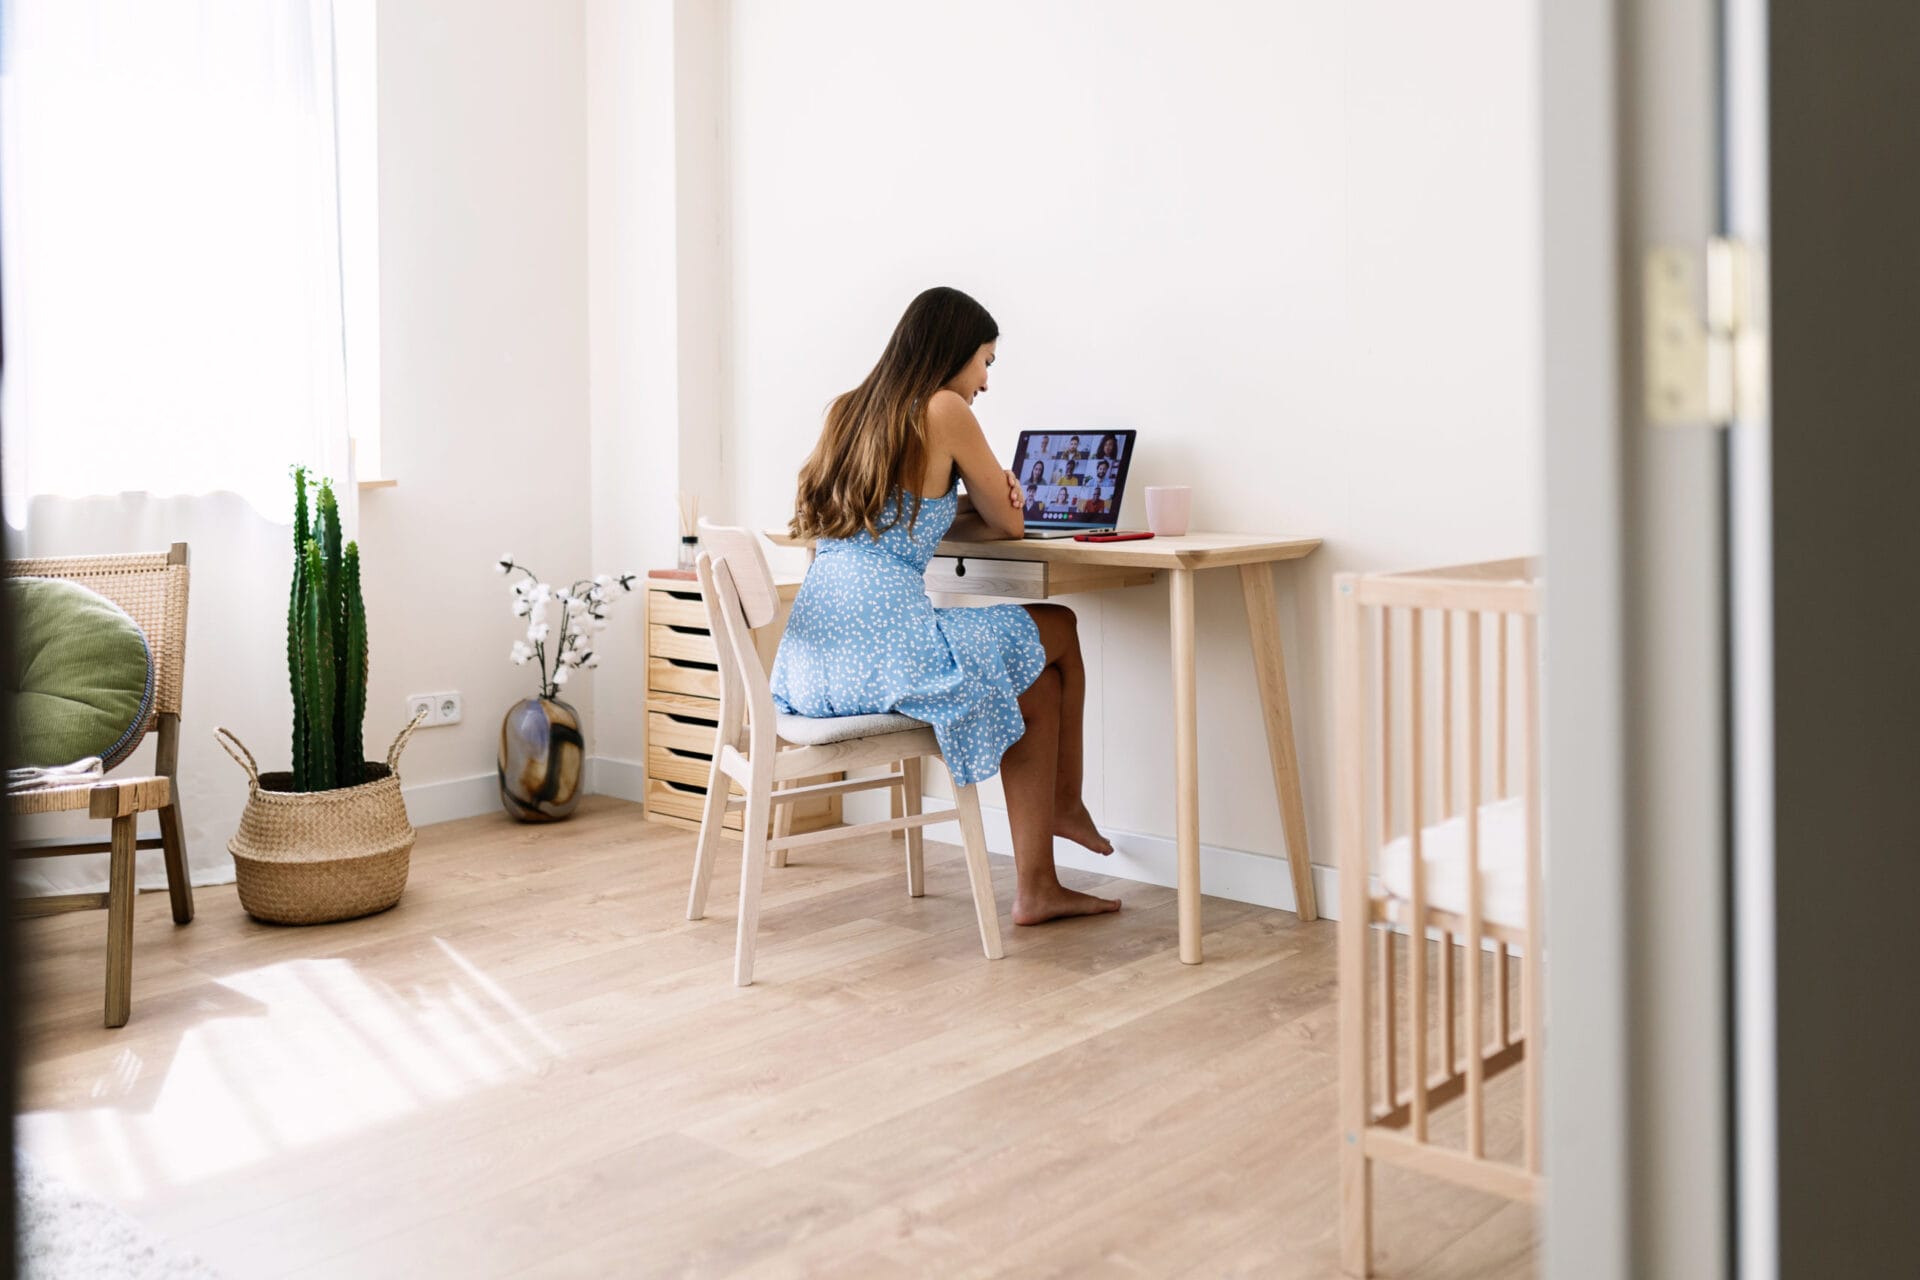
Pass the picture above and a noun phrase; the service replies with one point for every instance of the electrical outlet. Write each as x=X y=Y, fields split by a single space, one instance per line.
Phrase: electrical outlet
x=418 y=702
x=446 y=709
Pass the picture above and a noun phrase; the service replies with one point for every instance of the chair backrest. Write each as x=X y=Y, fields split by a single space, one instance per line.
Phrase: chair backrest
x=152 y=588
x=732 y=570
x=740 y=548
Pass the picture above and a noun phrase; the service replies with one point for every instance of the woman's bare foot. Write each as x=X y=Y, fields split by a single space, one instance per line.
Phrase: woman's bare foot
x=1076 y=824
x=1058 y=902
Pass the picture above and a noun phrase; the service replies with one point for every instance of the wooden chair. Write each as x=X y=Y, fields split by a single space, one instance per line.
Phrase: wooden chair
x=153 y=589
x=759 y=749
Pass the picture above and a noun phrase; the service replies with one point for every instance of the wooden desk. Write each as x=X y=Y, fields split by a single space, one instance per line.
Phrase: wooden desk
x=1036 y=570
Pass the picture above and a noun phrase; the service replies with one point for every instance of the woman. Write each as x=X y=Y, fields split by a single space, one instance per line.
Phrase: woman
x=1038 y=473
x=1109 y=448
x=1003 y=686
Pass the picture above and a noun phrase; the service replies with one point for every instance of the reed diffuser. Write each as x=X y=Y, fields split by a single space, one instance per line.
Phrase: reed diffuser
x=689 y=526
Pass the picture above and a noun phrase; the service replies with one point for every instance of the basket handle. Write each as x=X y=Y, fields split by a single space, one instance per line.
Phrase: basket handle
x=400 y=743
x=242 y=756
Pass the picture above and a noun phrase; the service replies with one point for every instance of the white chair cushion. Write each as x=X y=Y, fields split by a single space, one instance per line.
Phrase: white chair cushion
x=817 y=731
x=1443 y=847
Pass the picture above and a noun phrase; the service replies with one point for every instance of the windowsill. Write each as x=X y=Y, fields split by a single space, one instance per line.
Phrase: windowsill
x=377 y=484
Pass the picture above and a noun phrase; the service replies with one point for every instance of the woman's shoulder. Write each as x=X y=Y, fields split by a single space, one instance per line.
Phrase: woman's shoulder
x=948 y=411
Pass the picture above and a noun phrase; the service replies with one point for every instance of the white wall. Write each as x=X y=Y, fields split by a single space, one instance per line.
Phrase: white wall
x=1294 y=244
x=483 y=277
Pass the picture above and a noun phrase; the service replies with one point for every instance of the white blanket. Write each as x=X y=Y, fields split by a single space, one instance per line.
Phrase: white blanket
x=1443 y=848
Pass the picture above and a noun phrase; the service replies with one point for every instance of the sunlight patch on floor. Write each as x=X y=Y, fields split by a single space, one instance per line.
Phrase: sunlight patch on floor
x=307 y=1052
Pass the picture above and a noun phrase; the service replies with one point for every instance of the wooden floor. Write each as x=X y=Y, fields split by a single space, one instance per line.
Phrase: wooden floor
x=536 y=1066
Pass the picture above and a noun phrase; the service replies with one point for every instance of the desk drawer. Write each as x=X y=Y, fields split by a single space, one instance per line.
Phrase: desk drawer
x=692 y=644
x=982 y=576
x=678 y=675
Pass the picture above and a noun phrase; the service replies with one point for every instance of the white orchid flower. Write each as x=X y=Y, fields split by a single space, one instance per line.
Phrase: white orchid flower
x=537 y=633
x=560 y=676
x=602 y=579
x=504 y=564
x=521 y=608
x=522 y=653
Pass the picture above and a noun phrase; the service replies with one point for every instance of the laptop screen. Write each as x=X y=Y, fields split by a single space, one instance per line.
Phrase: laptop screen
x=1073 y=478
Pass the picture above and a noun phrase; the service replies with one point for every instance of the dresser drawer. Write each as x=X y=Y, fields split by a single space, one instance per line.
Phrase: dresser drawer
x=678 y=765
x=694 y=645
x=678 y=675
x=681 y=732
x=981 y=576
x=685 y=802
x=676 y=608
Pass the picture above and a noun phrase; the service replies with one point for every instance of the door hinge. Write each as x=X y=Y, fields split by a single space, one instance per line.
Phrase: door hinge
x=1711 y=371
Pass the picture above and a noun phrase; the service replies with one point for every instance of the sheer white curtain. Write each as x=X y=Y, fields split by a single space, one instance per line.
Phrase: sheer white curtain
x=171 y=248
x=169 y=252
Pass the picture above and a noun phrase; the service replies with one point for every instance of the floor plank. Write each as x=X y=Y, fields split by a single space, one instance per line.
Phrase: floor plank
x=535 y=1066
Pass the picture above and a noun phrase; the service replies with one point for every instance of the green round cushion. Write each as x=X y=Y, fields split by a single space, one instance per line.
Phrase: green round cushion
x=82 y=674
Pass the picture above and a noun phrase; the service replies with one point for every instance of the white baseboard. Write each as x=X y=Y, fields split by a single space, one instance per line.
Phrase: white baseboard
x=621 y=779
x=431 y=802
x=455 y=798
x=1224 y=873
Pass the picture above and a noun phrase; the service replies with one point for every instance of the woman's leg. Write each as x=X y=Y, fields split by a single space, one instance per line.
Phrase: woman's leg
x=1028 y=774
x=1060 y=637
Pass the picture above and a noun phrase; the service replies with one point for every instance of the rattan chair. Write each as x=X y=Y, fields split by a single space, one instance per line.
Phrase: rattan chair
x=153 y=589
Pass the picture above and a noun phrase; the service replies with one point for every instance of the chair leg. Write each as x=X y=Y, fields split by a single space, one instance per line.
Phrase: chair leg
x=712 y=818
x=783 y=824
x=120 y=923
x=753 y=868
x=973 y=837
x=916 y=842
x=174 y=842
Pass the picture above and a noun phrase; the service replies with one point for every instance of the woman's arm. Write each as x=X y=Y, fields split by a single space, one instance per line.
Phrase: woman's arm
x=993 y=489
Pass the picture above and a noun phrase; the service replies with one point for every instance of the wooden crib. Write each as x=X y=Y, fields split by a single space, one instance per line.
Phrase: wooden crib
x=1438 y=763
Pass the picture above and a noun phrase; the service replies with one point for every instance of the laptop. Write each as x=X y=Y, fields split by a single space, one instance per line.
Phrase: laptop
x=1072 y=480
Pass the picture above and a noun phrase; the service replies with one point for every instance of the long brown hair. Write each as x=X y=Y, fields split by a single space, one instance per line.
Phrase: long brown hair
x=875 y=442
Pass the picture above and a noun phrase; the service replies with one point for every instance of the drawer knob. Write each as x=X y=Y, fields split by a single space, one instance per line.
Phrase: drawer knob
x=960 y=567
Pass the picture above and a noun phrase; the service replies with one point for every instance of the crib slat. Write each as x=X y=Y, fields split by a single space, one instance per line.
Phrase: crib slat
x=1356 y=903
x=1531 y=1004
x=1386 y=725
x=1446 y=714
x=1417 y=938
x=1389 y=1019
x=1503 y=1021
x=1500 y=713
x=1448 y=1012
x=1476 y=1026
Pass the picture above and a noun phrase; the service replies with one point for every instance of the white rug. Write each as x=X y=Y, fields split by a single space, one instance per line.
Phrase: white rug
x=67 y=1234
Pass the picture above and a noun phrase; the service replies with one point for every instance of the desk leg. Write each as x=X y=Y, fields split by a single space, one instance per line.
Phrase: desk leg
x=1186 y=763
x=1270 y=668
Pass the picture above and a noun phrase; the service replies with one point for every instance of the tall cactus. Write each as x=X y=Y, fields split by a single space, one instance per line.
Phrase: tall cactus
x=317 y=678
x=353 y=672
x=295 y=611
x=326 y=647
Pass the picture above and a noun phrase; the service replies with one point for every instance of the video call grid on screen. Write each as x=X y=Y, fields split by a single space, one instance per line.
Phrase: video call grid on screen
x=1074 y=477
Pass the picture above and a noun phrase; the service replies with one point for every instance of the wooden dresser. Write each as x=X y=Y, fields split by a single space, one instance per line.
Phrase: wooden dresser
x=683 y=707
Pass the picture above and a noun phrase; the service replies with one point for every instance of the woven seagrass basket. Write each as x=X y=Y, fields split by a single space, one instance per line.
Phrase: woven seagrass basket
x=310 y=857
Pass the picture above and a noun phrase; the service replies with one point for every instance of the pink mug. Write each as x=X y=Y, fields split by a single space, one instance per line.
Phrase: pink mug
x=1169 y=506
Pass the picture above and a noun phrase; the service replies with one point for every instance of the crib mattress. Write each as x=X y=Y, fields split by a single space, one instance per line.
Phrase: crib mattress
x=1443 y=846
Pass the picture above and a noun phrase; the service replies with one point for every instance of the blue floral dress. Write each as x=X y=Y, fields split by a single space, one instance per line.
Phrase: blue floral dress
x=864 y=638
